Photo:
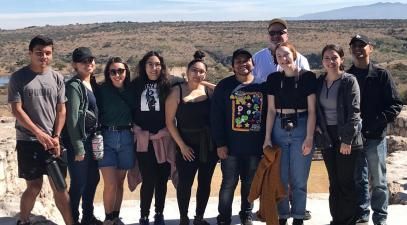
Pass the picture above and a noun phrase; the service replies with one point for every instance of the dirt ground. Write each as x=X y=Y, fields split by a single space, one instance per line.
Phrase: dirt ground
x=317 y=183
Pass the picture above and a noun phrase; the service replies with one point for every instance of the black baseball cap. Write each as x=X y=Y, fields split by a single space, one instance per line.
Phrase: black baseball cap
x=81 y=53
x=239 y=52
x=361 y=38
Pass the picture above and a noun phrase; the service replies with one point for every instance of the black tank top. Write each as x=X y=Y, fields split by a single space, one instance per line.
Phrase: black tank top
x=193 y=115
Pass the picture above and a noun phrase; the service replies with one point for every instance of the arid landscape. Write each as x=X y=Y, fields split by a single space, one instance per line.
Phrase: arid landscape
x=177 y=41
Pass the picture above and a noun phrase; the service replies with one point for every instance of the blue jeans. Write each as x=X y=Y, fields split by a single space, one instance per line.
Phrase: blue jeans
x=232 y=168
x=372 y=164
x=295 y=167
x=84 y=180
x=118 y=149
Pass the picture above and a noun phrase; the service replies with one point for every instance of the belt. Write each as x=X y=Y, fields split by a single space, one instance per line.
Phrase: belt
x=117 y=128
x=284 y=115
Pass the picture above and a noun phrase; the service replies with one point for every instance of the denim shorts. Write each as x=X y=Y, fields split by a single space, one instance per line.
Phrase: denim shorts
x=118 y=149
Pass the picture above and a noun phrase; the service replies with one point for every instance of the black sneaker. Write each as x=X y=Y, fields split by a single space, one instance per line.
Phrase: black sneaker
x=21 y=223
x=298 y=222
x=282 y=221
x=220 y=220
x=362 y=221
x=92 y=221
x=246 y=219
x=198 y=220
x=184 y=221
x=144 y=221
x=159 y=219
x=307 y=215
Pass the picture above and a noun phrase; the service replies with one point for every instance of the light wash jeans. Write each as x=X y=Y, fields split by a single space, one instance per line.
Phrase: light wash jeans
x=372 y=164
x=295 y=167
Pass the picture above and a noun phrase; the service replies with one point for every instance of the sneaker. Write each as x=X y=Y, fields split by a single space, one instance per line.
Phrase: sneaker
x=184 y=221
x=144 y=221
x=92 y=221
x=282 y=221
x=362 y=221
x=109 y=222
x=298 y=222
x=246 y=219
x=220 y=220
x=198 y=220
x=118 y=221
x=159 y=219
x=21 y=223
x=307 y=215
x=381 y=223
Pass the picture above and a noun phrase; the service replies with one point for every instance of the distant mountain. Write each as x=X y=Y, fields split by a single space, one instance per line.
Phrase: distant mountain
x=380 y=10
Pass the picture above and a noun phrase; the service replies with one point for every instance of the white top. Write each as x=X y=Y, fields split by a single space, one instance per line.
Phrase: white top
x=264 y=64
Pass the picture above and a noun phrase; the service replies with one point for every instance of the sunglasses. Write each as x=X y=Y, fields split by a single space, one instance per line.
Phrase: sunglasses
x=117 y=72
x=358 y=45
x=277 y=32
x=87 y=60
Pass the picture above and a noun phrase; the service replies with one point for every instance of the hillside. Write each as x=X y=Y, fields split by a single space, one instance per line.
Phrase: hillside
x=381 y=10
x=177 y=41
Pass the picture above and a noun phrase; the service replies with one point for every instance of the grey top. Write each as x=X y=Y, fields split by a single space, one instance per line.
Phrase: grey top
x=39 y=95
x=328 y=99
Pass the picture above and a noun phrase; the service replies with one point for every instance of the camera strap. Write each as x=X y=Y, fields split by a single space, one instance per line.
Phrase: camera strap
x=297 y=78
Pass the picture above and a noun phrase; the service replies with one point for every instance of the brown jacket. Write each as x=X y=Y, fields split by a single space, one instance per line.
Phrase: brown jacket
x=267 y=185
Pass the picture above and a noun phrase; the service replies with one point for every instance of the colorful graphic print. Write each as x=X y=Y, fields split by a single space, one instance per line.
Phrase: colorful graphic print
x=246 y=110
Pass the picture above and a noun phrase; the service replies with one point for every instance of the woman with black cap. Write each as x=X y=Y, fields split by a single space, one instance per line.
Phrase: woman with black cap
x=81 y=123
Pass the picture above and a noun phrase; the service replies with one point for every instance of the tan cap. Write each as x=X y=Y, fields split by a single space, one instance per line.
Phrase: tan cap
x=278 y=20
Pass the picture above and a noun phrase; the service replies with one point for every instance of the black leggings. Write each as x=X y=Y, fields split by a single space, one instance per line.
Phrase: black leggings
x=186 y=171
x=155 y=177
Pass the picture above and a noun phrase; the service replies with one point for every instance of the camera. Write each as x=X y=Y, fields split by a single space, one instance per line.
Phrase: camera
x=289 y=122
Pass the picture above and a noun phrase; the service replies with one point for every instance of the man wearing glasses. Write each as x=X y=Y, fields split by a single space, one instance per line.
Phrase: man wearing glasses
x=36 y=94
x=380 y=105
x=263 y=60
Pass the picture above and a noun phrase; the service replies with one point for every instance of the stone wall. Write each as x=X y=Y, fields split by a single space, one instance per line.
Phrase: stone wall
x=11 y=187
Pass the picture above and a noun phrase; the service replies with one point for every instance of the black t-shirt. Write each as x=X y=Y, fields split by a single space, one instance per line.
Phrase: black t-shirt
x=361 y=75
x=149 y=108
x=286 y=94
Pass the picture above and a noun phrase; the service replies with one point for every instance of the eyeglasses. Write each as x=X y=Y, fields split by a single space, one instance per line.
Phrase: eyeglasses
x=358 y=45
x=117 y=72
x=330 y=59
x=152 y=65
x=277 y=32
x=87 y=60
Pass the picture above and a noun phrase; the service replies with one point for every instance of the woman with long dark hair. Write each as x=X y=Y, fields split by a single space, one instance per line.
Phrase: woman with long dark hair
x=187 y=118
x=116 y=122
x=151 y=89
x=338 y=133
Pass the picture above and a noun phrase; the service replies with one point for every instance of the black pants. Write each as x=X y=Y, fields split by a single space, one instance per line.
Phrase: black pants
x=186 y=171
x=342 y=193
x=155 y=177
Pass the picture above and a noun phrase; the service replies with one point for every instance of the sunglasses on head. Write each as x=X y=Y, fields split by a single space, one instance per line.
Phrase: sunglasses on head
x=277 y=32
x=117 y=72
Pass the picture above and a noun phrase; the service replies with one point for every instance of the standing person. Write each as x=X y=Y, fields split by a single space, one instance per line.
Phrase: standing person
x=36 y=94
x=237 y=118
x=264 y=64
x=151 y=90
x=290 y=124
x=82 y=109
x=187 y=118
x=380 y=105
x=339 y=133
x=113 y=100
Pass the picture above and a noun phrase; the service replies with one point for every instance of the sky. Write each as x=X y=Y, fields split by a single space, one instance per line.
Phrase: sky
x=16 y=14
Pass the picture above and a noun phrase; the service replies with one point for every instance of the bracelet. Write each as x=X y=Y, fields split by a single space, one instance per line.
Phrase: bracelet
x=56 y=136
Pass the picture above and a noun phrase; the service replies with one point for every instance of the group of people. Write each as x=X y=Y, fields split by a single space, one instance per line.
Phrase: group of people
x=163 y=127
